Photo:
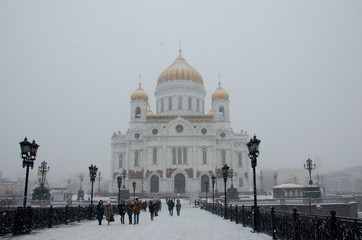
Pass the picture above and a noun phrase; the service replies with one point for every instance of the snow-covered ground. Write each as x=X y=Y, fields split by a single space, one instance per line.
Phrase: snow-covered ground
x=194 y=224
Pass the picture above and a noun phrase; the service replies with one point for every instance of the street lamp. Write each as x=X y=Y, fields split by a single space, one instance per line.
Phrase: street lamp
x=80 y=192
x=124 y=173
x=28 y=154
x=119 y=181
x=253 y=146
x=310 y=166
x=206 y=188
x=92 y=175
x=213 y=179
x=225 y=174
x=275 y=178
x=134 y=190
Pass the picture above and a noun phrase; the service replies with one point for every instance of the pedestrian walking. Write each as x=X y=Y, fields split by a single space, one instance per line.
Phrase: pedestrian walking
x=136 y=211
x=129 y=208
x=151 y=209
x=178 y=207
x=122 y=210
x=99 y=212
x=171 y=205
x=108 y=211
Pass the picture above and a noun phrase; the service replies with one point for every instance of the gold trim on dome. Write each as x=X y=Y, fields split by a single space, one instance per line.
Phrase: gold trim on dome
x=139 y=94
x=220 y=94
x=149 y=112
x=180 y=70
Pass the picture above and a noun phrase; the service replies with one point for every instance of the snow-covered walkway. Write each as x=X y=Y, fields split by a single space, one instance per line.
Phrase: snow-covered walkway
x=192 y=224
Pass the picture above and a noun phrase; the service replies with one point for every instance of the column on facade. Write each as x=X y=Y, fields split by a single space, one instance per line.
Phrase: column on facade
x=194 y=157
x=164 y=157
x=127 y=162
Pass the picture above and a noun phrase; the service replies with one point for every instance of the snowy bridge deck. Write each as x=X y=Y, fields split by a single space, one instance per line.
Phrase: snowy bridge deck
x=192 y=224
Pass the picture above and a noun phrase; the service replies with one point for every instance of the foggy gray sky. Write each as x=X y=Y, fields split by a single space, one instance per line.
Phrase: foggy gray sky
x=293 y=70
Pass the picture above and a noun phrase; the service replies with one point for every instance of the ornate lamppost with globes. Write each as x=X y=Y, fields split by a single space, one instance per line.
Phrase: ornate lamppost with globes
x=275 y=178
x=213 y=179
x=253 y=146
x=119 y=182
x=134 y=190
x=310 y=166
x=225 y=174
x=92 y=175
x=28 y=154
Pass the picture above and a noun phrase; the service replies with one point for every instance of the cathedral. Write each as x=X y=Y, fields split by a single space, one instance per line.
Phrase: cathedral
x=175 y=150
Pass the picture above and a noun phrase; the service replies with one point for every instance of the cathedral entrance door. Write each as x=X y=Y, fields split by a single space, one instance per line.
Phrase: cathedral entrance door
x=180 y=183
x=204 y=178
x=155 y=182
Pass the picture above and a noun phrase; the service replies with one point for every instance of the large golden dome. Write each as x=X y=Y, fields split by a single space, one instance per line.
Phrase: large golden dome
x=139 y=94
x=220 y=94
x=180 y=70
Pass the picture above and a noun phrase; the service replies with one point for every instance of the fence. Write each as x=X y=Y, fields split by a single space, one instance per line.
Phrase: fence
x=22 y=220
x=291 y=225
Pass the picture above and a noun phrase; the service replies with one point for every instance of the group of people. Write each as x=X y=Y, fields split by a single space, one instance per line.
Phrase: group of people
x=129 y=208
x=171 y=205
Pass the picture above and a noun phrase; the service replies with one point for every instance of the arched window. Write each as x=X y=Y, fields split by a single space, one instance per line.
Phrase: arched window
x=180 y=102
x=240 y=159
x=173 y=155
x=154 y=153
x=162 y=105
x=222 y=111
x=136 y=158
x=190 y=103
x=198 y=104
x=185 y=155
x=179 y=155
x=223 y=157
x=170 y=103
x=120 y=160
x=241 y=183
x=204 y=155
x=138 y=112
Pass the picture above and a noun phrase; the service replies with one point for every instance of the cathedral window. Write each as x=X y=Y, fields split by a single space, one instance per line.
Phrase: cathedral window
x=138 y=112
x=204 y=155
x=198 y=104
x=154 y=156
x=222 y=111
x=162 y=105
x=170 y=103
x=223 y=157
x=179 y=156
x=174 y=156
x=190 y=103
x=136 y=159
x=120 y=160
x=240 y=159
x=241 y=183
x=180 y=102
x=185 y=155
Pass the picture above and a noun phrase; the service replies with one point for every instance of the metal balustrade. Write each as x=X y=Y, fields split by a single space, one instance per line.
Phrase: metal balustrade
x=291 y=225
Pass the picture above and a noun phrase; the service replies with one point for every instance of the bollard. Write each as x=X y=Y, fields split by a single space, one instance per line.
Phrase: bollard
x=243 y=215
x=333 y=226
x=273 y=222
x=50 y=216
x=236 y=214
x=295 y=220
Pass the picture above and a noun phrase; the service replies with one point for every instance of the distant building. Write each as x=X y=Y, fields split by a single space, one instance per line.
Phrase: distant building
x=60 y=194
x=11 y=187
x=179 y=147
x=288 y=190
x=291 y=175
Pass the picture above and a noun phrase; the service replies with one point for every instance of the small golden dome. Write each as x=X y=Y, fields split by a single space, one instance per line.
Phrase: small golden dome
x=139 y=94
x=220 y=94
x=210 y=113
x=149 y=111
x=180 y=70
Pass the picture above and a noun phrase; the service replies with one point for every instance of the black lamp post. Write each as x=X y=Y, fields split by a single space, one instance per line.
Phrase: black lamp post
x=28 y=154
x=253 y=146
x=213 y=179
x=206 y=188
x=134 y=190
x=275 y=178
x=80 y=192
x=225 y=174
x=92 y=175
x=310 y=166
x=124 y=173
x=119 y=181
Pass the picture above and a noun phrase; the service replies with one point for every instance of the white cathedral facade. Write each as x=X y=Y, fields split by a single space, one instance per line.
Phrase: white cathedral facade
x=180 y=146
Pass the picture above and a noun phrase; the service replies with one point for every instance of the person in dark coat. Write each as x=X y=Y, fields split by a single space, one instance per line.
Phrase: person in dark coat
x=178 y=207
x=171 y=205
x=122 y=210
x=108 y=211
x=129 y=208
x=151 y=209
x=99 y=212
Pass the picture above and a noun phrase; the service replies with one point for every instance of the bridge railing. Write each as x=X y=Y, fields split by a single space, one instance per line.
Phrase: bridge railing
x=291 y=225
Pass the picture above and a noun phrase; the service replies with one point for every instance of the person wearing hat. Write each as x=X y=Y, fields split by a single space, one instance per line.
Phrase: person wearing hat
x=136 y=211
x=99 y=212
x=108 y=211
